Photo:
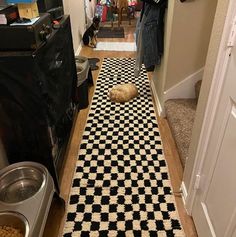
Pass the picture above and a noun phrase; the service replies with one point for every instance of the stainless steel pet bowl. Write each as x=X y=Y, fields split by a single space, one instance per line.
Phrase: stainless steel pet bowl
x=20 y=183
x=80 y=59
x=15 y=220
x=27 y=188
x=79 y=69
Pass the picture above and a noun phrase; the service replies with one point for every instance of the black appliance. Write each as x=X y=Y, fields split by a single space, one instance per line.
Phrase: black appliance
x=54 y=7
x=37 y=91
x=26 y=37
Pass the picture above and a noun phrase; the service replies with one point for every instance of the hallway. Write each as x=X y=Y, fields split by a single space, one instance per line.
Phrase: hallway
x=171 y=155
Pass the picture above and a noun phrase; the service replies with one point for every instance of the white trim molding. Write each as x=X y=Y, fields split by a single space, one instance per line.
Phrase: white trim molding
x=157 y=103
x=211 y=107
x=185 y=88
x=184 y=195
x=77 y=52
x=184 y=192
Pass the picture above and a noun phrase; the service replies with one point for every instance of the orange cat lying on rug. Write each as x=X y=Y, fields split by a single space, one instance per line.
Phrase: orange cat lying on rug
x=123 y=93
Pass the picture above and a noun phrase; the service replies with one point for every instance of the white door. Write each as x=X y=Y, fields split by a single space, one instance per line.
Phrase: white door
x=214 y=208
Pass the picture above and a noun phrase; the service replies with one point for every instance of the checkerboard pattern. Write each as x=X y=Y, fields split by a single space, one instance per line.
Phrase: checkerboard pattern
x=121 y=185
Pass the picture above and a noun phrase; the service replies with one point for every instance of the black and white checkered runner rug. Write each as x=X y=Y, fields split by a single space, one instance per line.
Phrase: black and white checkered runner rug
x=121 y=185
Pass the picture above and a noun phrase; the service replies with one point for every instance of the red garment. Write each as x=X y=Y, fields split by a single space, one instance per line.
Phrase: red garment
x=132 y=2
x=104 y=13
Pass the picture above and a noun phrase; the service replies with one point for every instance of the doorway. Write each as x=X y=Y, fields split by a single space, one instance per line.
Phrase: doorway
x=210 y=192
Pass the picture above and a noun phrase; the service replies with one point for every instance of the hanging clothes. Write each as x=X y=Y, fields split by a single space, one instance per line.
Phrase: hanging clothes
x=132 y=2
x=150 y=38
x=153 y=2
x=90 y=6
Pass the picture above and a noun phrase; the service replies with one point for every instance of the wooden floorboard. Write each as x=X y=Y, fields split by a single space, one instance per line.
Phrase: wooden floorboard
x=55 y=222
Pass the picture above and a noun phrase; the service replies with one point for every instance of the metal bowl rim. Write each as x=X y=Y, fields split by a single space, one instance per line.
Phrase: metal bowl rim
x=10 y=169
x=24 y=164
x=21 y=217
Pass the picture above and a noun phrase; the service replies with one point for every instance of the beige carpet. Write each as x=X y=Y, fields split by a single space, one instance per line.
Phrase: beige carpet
x=180 y=114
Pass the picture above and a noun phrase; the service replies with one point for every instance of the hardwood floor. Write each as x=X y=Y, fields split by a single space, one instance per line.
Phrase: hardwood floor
x=55 y=223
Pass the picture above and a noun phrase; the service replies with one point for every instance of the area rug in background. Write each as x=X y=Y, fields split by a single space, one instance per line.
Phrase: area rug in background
x=116 y=46
x=109 y=32
x=121 y=185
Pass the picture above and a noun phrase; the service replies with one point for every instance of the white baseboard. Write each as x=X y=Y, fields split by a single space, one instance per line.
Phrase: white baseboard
x=159 y=108
x=185 y=88
x=77 y=52
x=184 y=195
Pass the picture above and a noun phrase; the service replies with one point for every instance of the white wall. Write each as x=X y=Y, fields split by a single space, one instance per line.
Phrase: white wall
x=187 y=35
x=75 y=8
x=191 y=31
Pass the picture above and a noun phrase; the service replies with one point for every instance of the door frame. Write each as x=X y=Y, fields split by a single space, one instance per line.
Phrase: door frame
x=210 y=110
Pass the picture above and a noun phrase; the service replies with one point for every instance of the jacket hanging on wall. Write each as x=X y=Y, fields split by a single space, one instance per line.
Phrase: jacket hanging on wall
x=150 y=35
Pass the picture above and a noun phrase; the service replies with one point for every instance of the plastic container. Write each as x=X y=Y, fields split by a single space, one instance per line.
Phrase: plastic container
x=82 y=66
